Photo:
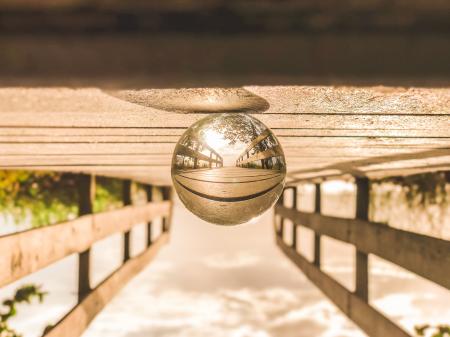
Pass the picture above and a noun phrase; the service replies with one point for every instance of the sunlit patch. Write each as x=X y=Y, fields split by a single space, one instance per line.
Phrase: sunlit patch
x=229 y=261
x=214 y=139
x=337 y=186
x=242 y=313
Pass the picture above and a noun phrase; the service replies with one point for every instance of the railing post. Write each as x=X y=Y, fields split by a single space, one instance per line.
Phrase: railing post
x=149 y=191
x=294 y=225
x=281 y=203
x=86 y=197
x=317 y=209
x=126 y=198
x=166 y=196
x=362 y=259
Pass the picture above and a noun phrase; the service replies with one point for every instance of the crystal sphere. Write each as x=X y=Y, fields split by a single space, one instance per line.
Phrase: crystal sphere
x=228 y=168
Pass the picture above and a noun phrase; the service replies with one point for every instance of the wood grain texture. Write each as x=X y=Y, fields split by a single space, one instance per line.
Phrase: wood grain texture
x=26 y=252
x=319 y=127
x=365 y=316
x=424 y=255
x=79 y=318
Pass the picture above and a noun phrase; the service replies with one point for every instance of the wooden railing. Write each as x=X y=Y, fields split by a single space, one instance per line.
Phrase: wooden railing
x=29 y=251
x=426 y=256
x=262 y=154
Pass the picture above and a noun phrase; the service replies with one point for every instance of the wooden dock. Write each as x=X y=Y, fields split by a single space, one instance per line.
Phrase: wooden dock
x=356 y=91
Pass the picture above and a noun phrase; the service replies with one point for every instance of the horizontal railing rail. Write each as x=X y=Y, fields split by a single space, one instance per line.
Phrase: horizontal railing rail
x=273 y=152
x=184 y=150
x=426 y=256
x=358 y=310
x=423 y=255
x=28 y=251
x=79 y=318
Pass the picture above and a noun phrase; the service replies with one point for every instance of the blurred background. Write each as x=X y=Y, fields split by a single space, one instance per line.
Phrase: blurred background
x=217 y=43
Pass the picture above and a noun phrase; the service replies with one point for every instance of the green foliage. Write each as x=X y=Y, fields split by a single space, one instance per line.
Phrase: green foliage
x=433 y=330
x=45 y=197
x=108 y=194
x=50 y=197
x=24 y=294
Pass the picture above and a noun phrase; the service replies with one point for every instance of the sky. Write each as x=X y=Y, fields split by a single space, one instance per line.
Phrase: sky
x=228 y=281
x=219 y=143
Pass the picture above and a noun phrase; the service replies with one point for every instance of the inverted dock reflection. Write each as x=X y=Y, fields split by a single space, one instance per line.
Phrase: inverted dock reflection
x=228 y=168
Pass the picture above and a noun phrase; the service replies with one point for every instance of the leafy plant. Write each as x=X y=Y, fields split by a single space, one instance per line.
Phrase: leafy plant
x=440 y=330
x=108 y=194
x=24 y=294
x=43 y=197
x=50 y=197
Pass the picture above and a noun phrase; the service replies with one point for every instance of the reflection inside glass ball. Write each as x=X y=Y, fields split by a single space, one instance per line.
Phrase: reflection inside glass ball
x=228 y=168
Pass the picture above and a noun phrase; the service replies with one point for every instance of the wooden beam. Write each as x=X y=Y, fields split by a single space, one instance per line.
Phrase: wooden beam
x=365 y=316
x=149 y=192
x=126 y=198
x=272 y=152
x=362 y=258
x=317 y=239
x=28 y=251
x=166 y=192
x=426 y=256
x=294 y=225
x=86 y=197
x=79 y=318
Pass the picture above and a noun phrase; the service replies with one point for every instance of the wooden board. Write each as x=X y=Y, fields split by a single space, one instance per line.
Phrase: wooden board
x=79 y=318
x=320 y=128
x=424 y=255
x=365 y=316
x=28 y=251
x=229 y=183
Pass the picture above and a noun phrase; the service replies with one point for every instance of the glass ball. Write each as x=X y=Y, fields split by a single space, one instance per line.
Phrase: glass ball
x=228 y=168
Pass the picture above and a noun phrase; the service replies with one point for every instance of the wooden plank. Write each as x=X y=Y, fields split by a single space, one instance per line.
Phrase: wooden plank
x=286 y=141
x=316 y=150
x=361 y=167
x=426 y=256
x=365 y=316
x=90 y=130
x=355 y=100
x=286 y=131
x=28 y=251
x=93 y=107
x=133 y=162
x=50 y=138
x=79 y=318
x=215 y=183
